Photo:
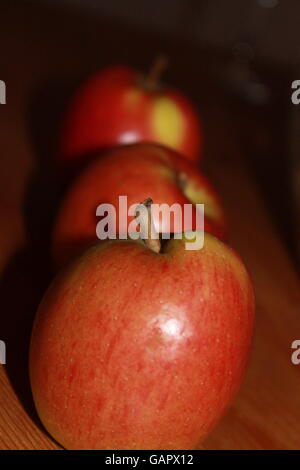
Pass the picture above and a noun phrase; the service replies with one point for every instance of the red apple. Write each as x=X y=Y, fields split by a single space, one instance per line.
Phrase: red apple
x=137 y=171
x=133 y=349
x=118 y=106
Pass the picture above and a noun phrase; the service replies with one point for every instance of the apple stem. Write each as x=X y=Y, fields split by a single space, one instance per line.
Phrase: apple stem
x=151 y=81
x=182 y=181
x=151 y=237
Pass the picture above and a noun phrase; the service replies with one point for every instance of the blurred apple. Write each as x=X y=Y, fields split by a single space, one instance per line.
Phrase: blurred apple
x=119 y=106
x=136 y=171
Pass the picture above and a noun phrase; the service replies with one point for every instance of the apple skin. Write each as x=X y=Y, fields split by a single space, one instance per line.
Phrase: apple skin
x=113 y=107
x=133 y=349
x=137 y=171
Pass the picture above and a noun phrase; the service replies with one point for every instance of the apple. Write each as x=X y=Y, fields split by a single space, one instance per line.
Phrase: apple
x=119 y=106
x=135 y=171
x=141 y=348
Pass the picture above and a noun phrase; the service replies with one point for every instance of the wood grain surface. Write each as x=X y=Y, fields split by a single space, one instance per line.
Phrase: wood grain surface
x=46 y=54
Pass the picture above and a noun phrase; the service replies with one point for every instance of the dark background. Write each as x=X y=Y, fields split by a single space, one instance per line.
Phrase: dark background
x=247 y=52
x=270 y=27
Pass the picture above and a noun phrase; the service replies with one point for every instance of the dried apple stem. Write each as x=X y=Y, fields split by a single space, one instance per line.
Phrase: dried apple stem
x=157 y=69
x=182 y=181
x=151 y=240
x=151 y=82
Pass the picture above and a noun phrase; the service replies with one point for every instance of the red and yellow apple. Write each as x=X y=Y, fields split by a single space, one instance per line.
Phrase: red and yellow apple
x=136 y=171
x=133 y=349
x=118 y=106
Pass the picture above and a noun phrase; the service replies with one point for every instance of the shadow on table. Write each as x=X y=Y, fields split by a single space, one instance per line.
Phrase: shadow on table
x=29 y=271
x=21 y=287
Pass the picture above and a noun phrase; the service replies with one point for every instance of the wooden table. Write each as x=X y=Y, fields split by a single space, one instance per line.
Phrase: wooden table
x=46 y=54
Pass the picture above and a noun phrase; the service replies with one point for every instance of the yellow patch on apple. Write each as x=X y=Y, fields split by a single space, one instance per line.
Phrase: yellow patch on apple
x=198 y=195
x=168 y=123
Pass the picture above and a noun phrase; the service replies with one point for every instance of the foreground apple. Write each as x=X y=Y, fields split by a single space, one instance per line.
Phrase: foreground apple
x=118 y=106
x=136 y=171
x=134 y=348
